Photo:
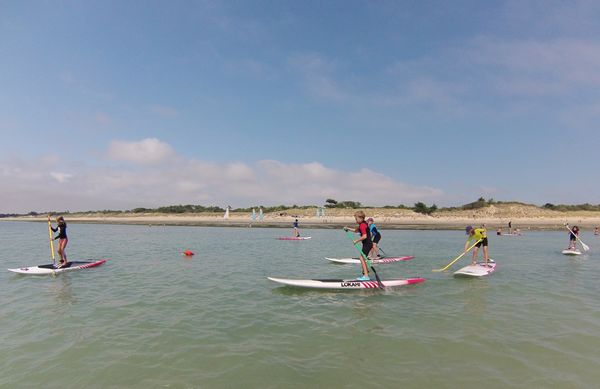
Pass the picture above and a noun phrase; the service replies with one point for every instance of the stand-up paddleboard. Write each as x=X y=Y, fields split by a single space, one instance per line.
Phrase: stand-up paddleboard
x=509 y=234
x=345 y=284
x=571 y=252
x=41 y=270
x=293 y=238
x=478 y=270
x=377 y=261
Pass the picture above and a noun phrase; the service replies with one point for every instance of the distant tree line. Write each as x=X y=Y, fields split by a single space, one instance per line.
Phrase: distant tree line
x=419 y=207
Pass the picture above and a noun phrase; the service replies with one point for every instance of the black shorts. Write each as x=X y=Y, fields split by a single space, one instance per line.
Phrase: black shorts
x=483 y=243
x=572 y=238
x=377 y=238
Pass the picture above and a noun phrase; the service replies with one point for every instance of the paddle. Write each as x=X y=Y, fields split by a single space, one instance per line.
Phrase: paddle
x=365 y=258
x=585 y=246
x=51 y=240
x=457 y=258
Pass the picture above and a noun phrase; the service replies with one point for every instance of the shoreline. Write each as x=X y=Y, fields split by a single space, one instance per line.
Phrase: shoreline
x=420 y=222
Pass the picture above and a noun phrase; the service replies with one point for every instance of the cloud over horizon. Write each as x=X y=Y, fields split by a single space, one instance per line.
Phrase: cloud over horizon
x=157 y=176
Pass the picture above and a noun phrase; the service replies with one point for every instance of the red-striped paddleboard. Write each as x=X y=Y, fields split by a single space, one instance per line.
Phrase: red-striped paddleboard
x=345 y=284
x=41 y=270
x=377 y=261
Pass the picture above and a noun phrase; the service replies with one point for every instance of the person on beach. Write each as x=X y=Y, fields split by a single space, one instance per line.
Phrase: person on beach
x=365 y=238
x=476 y=234
x=376 y=236
x=61 y=228
x=573 y=234
x=510 y=227
x=296 y=230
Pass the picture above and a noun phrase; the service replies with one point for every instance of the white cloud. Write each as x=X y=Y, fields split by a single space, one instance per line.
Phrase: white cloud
x=192 y=181
x=147 y=151
x=61 y=177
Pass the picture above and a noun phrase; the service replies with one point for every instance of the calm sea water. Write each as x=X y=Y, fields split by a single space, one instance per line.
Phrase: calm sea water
x=152 y=318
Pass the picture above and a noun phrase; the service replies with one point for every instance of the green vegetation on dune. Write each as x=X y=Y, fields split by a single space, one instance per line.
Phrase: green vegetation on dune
x=419 y=207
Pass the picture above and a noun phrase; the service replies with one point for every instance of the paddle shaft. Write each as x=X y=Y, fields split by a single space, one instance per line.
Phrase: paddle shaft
x=457 y=258
x=585 y=246
x=365 y=258
x=51 y=239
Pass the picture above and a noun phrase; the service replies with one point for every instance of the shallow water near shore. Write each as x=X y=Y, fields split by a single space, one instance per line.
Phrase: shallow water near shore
x=152 y=318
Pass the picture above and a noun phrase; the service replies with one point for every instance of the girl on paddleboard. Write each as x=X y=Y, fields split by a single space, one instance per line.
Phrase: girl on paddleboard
x=476 y=234
x=296 y=230
x=365 y=238
x=573 y=238
x=61 y=227
x=376 y=236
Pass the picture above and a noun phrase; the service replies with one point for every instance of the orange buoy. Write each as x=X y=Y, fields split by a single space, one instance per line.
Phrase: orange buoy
x=188 y=253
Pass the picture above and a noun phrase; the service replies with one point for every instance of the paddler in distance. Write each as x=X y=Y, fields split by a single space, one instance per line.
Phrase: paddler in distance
x=367 y=243
x=296 y=230
x=62 y=239
x=476 y=234
x=573 y=234
x=376 y=236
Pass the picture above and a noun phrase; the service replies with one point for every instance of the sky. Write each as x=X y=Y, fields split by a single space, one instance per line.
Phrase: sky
x=124 y=104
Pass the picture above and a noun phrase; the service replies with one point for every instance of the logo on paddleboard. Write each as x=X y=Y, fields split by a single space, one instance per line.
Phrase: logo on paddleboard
x=350 y=284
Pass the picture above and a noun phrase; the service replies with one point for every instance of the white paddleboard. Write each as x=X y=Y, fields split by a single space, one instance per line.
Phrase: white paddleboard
x=42 y=270
x=478 y=270
x=345 y=284
x=571 y=252
x=377 y=261
x=293 y=238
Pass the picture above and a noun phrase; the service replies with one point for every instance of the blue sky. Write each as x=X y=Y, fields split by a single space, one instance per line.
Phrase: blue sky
x=122 y=104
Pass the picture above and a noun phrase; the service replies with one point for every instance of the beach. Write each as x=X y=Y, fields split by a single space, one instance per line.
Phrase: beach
x=523 y=217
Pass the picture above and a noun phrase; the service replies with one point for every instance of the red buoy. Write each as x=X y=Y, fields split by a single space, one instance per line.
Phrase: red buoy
x=188 y=253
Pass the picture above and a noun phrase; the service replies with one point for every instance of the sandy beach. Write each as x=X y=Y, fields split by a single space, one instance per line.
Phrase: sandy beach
x=523 y=217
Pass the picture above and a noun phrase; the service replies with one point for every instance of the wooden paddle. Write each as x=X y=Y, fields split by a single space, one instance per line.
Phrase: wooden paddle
x=51 y=240
x=457 y=258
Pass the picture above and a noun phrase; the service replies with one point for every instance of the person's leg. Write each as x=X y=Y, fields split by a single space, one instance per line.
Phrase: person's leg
x=365 y=269
x=62 y=250
x=475 y=251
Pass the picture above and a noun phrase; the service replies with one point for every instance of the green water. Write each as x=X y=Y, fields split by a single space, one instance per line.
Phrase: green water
x=152 y=318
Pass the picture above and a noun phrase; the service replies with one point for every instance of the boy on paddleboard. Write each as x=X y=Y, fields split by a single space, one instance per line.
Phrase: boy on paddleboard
x=61 y=227
x=296 y=230
x=476 y=234
x=573 y=238
x=376 y=236
x=367 y=243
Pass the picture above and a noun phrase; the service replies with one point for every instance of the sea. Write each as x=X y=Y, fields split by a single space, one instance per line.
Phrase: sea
x=153 y=318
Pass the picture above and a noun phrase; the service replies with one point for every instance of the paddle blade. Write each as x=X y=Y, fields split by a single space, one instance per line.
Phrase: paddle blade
x=585 y=246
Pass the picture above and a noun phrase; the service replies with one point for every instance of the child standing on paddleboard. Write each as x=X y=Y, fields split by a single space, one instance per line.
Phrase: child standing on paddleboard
x=376 y=236
x=365 y=238
x=296 y=230
x=61 y=227
x=573 y=234
x=476 y=234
